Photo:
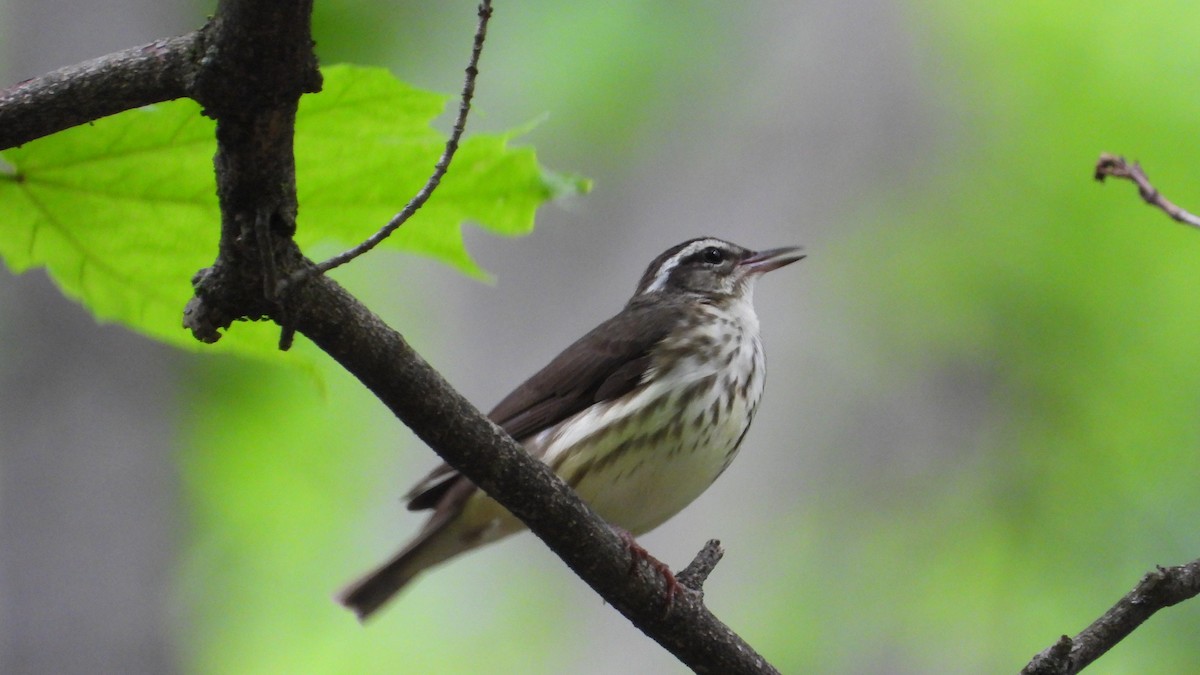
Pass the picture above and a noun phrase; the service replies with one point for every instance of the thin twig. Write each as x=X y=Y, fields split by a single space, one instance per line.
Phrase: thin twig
x=696 y=573
x=1117 y=167
x=1157 y=590
x=439 y=169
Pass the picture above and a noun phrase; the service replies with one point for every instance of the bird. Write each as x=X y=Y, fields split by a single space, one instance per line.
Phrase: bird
x=639 y=416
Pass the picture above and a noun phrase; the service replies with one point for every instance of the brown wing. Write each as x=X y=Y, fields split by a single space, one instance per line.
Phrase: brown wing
x=604 y=364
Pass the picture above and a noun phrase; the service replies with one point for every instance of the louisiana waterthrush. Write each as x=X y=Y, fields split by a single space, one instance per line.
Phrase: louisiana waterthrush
x=639 y=416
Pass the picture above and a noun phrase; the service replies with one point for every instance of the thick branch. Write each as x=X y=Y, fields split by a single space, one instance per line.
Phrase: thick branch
x=85 y=92
x=1157 y=590
x=257 y=62
x=1117 y=167
x=449 y=424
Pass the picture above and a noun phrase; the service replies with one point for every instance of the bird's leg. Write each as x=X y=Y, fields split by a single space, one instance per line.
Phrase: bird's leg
x=639 y=554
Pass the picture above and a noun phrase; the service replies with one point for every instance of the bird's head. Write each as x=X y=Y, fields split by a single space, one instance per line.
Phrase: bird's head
x=711 y=267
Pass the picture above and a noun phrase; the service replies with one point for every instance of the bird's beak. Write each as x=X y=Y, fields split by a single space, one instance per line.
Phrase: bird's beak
x=771 y=259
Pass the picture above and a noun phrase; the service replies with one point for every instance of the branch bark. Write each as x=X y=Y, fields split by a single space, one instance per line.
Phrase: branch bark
x=1157 y=590
x=152 y=73
x=248 y=67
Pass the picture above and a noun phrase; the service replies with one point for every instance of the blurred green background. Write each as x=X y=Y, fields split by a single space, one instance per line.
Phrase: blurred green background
x=980 y=426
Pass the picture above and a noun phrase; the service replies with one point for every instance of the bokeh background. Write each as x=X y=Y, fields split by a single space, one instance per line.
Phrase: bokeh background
x=980 y=425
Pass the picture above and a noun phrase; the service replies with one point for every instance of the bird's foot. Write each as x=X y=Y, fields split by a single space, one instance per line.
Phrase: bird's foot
x=639 y=554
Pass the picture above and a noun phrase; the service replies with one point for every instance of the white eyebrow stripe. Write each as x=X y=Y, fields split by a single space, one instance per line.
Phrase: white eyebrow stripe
x=664 y=272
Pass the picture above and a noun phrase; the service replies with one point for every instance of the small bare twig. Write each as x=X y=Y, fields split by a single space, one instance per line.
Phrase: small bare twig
x=696 y=573
x=1157 y=590
x=439 y=169
x=1118 y=167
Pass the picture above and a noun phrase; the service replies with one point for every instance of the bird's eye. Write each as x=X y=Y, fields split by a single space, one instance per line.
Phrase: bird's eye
x=713 y=255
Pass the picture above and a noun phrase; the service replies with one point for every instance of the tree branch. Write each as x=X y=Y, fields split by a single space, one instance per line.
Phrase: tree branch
x=1117 y=167
x=248 y=67
x=1157 y=590
x=155 y=72
x=380 y=358
x=384 y=362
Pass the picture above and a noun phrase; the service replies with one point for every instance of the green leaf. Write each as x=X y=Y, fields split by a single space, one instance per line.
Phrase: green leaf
x=357 y=167
x=123 y=212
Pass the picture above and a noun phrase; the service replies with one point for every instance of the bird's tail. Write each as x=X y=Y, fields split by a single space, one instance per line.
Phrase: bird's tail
x=435 y=545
